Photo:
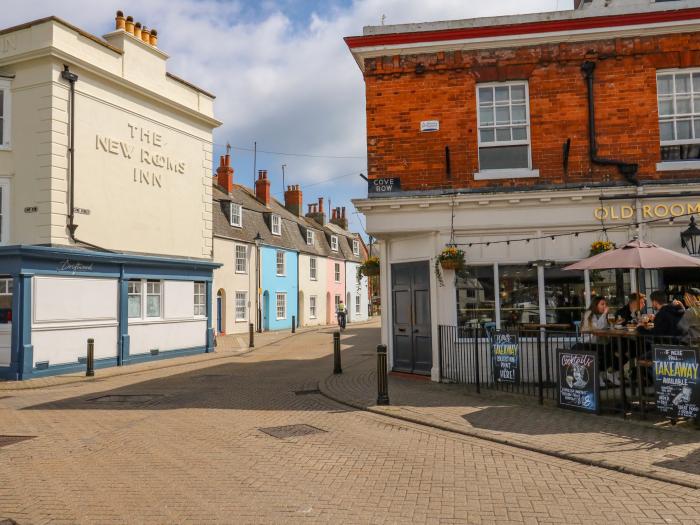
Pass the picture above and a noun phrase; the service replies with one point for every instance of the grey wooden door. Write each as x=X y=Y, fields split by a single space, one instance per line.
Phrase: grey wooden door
x=412 y=336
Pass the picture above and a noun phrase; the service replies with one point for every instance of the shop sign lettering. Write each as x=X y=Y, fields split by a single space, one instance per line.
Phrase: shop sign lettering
x=676 y=381
x=384 y=185
x=506 y=357
x=578 y=380
x=648 y=211
x=7 y=44
x=74 y=266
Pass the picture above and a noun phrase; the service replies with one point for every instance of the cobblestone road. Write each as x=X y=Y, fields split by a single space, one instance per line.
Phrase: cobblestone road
x=185 y=447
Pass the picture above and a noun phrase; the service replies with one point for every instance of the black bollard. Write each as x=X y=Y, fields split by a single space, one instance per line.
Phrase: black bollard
x=294 y=324
x=90 y=362
x=251 y=335
x=382 y=376
x=337 y=369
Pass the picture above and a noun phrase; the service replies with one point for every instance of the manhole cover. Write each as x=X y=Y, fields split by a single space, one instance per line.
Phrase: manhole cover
x=11 y=440
x=290 y=431
x=125 y=398
x=307 y=392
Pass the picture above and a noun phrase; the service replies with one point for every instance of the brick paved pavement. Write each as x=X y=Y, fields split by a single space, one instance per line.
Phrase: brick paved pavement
x=182 y=445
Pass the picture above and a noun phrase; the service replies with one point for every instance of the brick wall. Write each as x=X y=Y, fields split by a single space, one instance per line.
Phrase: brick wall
x=398 y=99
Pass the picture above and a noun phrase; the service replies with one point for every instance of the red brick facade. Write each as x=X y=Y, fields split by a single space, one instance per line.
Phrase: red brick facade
x=399 y=98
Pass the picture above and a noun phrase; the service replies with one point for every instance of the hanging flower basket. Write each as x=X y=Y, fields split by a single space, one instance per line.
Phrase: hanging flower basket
x=601 y=247
x=450 y=258
x=369 y=268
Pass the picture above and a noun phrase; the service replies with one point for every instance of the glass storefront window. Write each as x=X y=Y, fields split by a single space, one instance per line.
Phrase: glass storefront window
x=614 y=285
x=475 y=296
x=565 y=295
x=519 y=292
x=5 y=300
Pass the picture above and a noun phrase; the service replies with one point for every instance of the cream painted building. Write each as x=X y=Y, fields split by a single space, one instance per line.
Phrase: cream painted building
x=114 y=241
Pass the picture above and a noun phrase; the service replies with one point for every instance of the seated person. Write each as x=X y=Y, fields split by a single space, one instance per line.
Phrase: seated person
x=666 y=319
x=689 y=325
x=633 y=309
x=596 y=318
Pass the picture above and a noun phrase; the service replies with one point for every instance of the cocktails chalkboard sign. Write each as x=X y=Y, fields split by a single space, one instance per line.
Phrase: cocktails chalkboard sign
x=676 y=381
x=505 y=355
x=578 y=380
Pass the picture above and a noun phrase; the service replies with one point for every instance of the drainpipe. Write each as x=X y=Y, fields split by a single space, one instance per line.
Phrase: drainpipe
x=628 y=171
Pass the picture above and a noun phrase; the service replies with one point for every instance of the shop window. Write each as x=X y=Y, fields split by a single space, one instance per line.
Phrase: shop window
x=200 y=295
x=565 y=295
x=135 y=299
x=280 y=263
x=504 y=126
x=154 y=298
x=519 y=294
x=241 y=258
x=334 y=243
x=310 y=237
x=4 y=211
x=336 y=272
x=6 y=300
x=312 y=307
x=475 y=296
x=678 y=96
x=4 y=114
x=281 y=305
x=312 y=269
x=236 y=215
x=241 y=305
x=276 y=225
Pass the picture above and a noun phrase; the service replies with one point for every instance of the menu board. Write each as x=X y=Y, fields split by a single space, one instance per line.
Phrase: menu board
x=578 y=380
x=505 y=355
x=676 y=381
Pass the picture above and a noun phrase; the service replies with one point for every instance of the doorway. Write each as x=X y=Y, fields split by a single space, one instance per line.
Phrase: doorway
x=221 y=312
x=266 y=311
x=300 y=310
x=411 y=330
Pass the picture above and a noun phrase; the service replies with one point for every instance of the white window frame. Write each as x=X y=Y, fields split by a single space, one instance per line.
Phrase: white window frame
x=283 y=264
x=692 y=117
x=282 y=295
x=313 y=268
x=356 y=247
x=312 y=306
x=523 y=172
x=336 y=272
x=358 y=303
x=6 y=290
x=310 y=237
x=239 y=215
x=138 y=294
x=6 y=123
x=148 y=294
x=4 y=211
x=200 y=299
x=276 y=224
x=334 y=243
x=237 y=259
x=239 y=318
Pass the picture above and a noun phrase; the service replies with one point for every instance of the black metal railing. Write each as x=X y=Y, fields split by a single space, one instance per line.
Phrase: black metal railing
x=472 y=355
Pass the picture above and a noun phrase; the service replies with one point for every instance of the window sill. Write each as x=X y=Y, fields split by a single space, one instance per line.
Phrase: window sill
x=506 y=174
x=5 y=147
x=678 y=165
x=242 y=273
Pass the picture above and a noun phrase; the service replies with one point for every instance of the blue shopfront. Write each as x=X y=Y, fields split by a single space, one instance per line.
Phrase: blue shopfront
x=135 y=308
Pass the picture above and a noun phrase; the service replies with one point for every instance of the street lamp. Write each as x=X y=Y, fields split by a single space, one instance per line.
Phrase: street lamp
x=258 y=241
x=690 y=239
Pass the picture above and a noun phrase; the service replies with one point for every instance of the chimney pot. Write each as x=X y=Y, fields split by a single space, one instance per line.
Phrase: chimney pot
x=154 y=38
x=227 y=159
x=146 y=35
x=137 y=30
x=129 y=25
x=119 y=21
x=320 y=204
x=343 y=208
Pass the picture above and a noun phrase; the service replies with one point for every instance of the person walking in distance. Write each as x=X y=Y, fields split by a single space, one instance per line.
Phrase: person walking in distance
x=341 y=313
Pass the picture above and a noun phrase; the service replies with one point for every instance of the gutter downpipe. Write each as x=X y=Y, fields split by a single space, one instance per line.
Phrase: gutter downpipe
x=628 y=171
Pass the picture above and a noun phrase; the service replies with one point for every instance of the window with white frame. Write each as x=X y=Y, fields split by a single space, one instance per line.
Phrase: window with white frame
x=504 y=126
x=280 y=262
x=357 y=304
x=154 y=298
x=281 y=305
x=4 y=211
x=313 y=274
x=678 y=94
x=276 y=225
x=4 y=113
x=241 y=258
x=336 y=272
x=135 y=299
x=312 y=307
x=310 y=237
x=334 y=243
x=241 y=306
x=6 y=300
x=236 y=215
x=200 y=298
x=337 y=302
x=356 y=247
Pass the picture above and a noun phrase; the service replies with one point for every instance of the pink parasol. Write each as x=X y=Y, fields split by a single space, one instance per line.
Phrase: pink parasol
x=636 y=254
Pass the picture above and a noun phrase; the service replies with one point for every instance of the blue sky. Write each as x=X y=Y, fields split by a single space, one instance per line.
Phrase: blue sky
x=281 y=72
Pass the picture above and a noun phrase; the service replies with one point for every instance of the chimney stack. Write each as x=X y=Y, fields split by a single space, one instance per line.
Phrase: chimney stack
x=262 y=188
x=224 y=173
x=293 y=200
x=316 y=212
x=339 y=218
x=142 y=33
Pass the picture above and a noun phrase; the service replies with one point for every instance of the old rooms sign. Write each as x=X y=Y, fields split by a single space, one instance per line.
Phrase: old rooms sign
x=145 y=149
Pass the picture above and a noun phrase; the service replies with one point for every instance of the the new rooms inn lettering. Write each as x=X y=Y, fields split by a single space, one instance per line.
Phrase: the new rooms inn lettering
x=145 y=148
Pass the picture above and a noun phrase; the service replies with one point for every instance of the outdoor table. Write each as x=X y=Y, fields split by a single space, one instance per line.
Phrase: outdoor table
x=554 y=326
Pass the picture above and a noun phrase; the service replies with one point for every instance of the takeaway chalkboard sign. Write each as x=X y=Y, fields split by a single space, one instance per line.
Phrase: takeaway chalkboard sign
x=578 y=380
x=676 y=381
x=505 y=356
x=384 y=185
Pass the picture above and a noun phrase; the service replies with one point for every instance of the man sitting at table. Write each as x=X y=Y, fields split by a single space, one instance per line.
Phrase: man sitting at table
x=633 y=309
x=666 y=319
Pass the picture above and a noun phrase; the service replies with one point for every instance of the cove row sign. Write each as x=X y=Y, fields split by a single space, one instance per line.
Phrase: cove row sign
x=384 y=185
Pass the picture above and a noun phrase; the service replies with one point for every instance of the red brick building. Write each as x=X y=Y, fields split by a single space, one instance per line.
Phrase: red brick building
x=515 y=137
